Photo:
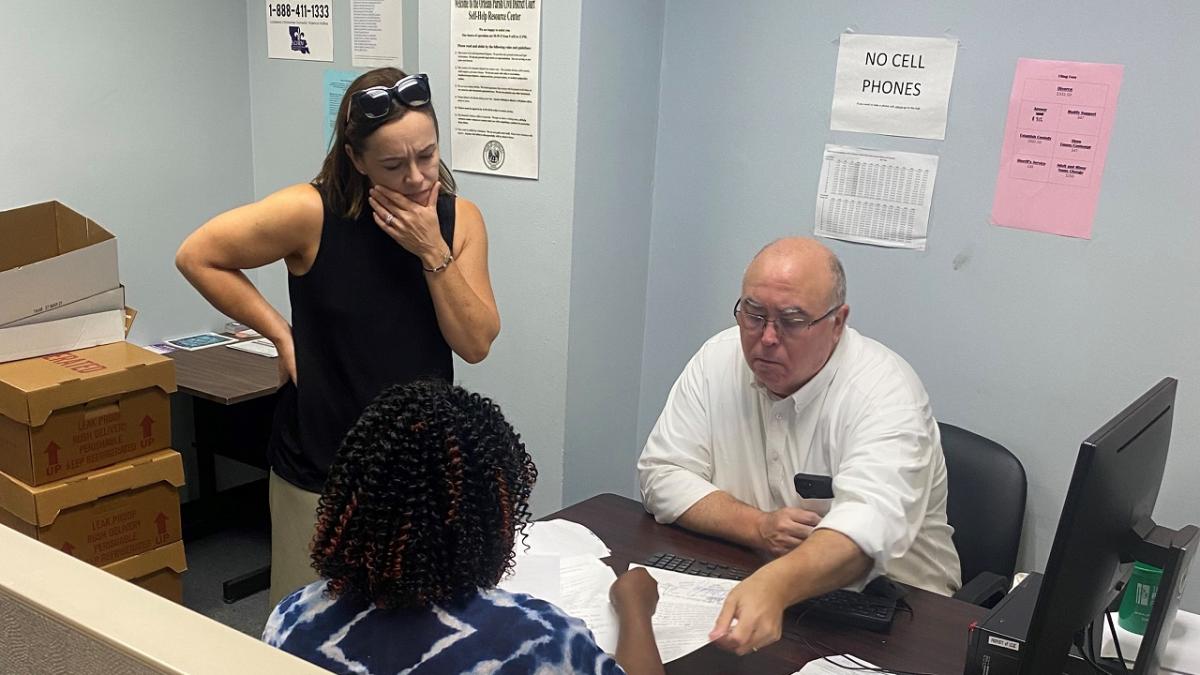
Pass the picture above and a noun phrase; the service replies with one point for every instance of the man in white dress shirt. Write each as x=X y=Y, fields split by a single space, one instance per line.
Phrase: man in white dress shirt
x=792 y=389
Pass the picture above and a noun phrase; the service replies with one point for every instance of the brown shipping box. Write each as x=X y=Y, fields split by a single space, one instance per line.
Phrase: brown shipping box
x=103 y=516
x=159 y=571
x=65 y=414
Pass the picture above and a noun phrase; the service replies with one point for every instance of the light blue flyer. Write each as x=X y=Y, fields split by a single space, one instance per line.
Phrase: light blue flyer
x=336 y=83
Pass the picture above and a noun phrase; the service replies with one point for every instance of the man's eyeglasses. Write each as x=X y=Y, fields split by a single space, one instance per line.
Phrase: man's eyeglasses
x=785 y=326
x=375 y=102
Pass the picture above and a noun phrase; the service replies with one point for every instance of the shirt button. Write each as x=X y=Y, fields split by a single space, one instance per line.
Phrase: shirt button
x=778 y=416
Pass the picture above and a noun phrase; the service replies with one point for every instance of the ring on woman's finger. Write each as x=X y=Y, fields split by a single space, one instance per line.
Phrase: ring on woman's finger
x=390 y=220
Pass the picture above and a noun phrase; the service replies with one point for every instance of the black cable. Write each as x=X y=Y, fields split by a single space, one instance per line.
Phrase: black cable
x=857 y=664
x=1091 y=641
x=1085 y=651
x=1116 y=641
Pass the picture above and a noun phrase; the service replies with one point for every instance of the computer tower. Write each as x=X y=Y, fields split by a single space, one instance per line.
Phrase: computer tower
x=995 y=643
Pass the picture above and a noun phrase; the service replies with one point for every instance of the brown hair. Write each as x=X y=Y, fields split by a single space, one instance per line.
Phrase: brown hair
x=342 y=187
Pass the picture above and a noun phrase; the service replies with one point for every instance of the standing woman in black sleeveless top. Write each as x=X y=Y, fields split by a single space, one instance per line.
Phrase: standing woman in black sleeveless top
x=387 y=274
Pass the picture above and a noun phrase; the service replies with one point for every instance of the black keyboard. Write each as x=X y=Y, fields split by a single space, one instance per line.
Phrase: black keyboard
x=700 y=568
x=855 y=609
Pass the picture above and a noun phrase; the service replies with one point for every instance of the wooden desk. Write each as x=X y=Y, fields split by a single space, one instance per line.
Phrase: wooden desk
x=233 y=404
x=932 y=640
x=225 y=376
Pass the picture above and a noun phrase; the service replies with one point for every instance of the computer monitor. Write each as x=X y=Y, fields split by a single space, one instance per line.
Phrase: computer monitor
x=1105 y=524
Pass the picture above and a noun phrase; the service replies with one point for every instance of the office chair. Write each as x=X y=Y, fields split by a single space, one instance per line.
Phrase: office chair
x=986 y=507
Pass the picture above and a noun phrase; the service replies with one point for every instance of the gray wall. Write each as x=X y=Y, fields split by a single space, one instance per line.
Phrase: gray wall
x=529 y=232
x=620 y=49
x=1030 y=339
x=135 y=118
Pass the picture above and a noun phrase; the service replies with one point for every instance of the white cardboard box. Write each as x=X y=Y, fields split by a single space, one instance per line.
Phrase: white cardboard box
x=101 y=302
x=62 y=335
x=52 y=256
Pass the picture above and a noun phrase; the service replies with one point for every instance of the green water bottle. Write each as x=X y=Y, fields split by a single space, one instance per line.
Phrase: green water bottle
x=1134 y=614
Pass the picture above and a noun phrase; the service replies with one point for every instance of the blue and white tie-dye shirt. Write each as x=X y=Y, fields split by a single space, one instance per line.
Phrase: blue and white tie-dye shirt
x=492 y=632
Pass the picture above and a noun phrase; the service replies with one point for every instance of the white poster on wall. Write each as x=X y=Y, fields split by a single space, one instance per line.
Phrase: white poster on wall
x=893 y=85
x=377 y=33
x=300 y=30
x=494 y=81
x=879 y=197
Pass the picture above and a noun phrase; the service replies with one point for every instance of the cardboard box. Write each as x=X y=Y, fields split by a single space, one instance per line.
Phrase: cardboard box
x=66 y=414
x=159 y=570
x=49 y=337
x=52 y=256
x=103 y=516
x=78 y=325
x=101 y=302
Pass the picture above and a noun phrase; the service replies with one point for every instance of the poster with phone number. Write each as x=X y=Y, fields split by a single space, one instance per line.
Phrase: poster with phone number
x=302 y=31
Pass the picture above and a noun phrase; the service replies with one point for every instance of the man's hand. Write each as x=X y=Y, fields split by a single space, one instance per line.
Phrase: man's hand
x=783 y=530
x=757 y=606
x=752 y=616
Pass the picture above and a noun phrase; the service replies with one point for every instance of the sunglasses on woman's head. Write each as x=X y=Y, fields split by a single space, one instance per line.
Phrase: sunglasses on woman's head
x=375 y=102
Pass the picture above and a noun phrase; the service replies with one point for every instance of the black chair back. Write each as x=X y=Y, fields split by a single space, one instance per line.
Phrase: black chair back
x=986 y=504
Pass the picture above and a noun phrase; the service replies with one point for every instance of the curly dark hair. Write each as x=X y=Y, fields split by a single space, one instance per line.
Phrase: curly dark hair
x=424 y=498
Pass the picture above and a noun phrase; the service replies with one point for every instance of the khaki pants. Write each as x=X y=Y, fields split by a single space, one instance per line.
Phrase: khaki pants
x=293 y=523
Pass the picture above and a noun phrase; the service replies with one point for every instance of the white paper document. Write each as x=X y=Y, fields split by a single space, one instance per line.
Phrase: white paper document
x=300 y=30
x=560 y=562
x=893 y=85
x=879 y=197
x=494 y=82
x=1181 y=654
x=688 y=606
x=839 y=664
x=536 y=575
x=585 y=582
x=376 y=33
x=562 y=538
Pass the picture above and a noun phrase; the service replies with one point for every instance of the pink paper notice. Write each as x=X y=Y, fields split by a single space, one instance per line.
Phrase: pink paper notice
x=1060 y=116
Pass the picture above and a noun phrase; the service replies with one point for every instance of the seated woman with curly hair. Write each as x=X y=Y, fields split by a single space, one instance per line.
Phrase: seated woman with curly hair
x=415 y=528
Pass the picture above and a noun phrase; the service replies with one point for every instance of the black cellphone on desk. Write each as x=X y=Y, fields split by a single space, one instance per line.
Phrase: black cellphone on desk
x=813 y=486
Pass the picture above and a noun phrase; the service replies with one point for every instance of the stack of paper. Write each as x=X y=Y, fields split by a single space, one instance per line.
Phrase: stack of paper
x=562 y=538
x=688 y=606
x=585 y=583
x=1182 y=651
x=838 y=664
x=560 y=561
